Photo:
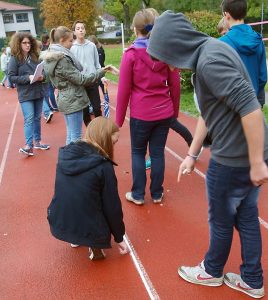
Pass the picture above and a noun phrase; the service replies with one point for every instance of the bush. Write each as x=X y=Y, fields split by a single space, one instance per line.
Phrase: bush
x=110 y=41
x=206 y=22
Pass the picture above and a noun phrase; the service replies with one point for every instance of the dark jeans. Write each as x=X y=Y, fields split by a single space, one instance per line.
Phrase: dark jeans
x=155 y=134
x=94 y=97
x=232 y=200
x=181 y=130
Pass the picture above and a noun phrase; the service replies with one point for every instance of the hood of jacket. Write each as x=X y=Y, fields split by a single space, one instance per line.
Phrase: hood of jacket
x=51 y=59
x=79 y=157
x=140 y=46
x=77 y=44
x=244 y=38
x=174 y=41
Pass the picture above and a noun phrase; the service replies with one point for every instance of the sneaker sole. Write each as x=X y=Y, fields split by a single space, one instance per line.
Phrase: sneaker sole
x=96 y=254
x=26 y=153
x=38 y=148
x=49 y=118
x=228 y=283
x=206 y=283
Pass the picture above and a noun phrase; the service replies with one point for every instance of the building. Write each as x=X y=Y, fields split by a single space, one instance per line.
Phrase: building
x=106 y=23
x=14 y=18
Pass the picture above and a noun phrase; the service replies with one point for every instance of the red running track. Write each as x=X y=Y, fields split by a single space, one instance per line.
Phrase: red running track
x=34 y=265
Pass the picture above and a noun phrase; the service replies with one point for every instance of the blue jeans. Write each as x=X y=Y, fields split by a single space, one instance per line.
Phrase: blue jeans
x=155 y=134
x=32 y=120
x=46 y=108
x=74 y=126
x=232 y=200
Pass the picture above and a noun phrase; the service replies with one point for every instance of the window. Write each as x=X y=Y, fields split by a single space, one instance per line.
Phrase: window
x=8 y=18
x=22 y=18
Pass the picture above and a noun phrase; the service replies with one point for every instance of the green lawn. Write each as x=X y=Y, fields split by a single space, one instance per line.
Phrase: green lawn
x=1 y=75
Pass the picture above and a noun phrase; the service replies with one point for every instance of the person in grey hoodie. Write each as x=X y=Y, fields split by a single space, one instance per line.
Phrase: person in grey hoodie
x=86 y=53
x=248 y=44
x=231 y=114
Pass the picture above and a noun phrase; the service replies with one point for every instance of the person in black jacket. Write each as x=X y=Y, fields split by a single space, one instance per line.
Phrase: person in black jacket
x=86 y=208
x=101 y=54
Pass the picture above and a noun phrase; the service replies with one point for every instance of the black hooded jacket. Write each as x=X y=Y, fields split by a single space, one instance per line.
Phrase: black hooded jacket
x=86 y=208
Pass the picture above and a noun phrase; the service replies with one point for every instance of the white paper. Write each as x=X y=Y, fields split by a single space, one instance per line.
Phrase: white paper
x=38 y=72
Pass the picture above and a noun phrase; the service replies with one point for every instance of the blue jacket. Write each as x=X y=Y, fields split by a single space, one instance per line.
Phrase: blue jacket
x=250 y=47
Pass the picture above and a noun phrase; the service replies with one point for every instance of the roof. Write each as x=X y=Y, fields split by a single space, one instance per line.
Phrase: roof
x=107 y=17
x=14 y=6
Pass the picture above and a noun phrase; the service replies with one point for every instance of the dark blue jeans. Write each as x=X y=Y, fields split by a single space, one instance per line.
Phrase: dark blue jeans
x=155 y=134
x=232 y=200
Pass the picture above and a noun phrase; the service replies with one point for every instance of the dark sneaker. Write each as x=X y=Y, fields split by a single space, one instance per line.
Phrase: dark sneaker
x=49 y=117
x=198 y=275
x=131 y=199
x=27 y=151
x=159 y=200
x=96 y=254
x=41 y=146
x=235 y=282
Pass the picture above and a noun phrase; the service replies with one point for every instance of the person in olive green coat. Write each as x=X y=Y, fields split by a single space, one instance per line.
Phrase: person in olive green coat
x=64 y=72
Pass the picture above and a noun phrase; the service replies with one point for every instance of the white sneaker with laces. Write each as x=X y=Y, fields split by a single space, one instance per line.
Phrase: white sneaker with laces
x=74 y=245
x=198 y=275
x=131 y=199
x=235 y=282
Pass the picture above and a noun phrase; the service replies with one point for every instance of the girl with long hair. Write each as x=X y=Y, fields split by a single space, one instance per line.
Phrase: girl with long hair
x=22 y=65
x=152 y=92
x=86 y=208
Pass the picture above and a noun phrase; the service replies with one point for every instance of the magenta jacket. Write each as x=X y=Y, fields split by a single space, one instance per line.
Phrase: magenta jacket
x=151 y=89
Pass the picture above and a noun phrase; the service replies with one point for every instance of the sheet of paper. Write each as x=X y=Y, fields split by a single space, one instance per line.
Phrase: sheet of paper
x=38 y=72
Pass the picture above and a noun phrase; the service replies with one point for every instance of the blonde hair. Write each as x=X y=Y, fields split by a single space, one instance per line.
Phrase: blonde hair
x=99 y=133
x=143 y=21
x=153 y=11
x=222 y=27
x=61 y=32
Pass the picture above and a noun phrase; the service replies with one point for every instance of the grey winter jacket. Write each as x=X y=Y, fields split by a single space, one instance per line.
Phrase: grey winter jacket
x=18 y=73
x=69 y=81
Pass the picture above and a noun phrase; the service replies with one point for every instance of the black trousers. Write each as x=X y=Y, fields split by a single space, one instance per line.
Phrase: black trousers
x=94 y=97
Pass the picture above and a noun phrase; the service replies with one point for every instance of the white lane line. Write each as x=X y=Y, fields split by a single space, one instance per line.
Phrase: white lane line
x=201 y=174
x=141 y=270
x=4 y=159
x=138 y=264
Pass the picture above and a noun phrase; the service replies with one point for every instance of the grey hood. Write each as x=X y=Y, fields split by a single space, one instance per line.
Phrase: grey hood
x=174 y=41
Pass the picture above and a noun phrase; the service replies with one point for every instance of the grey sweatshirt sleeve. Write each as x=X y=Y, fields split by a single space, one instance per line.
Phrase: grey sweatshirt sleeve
x=229 y=85
x=96 y=59
x=13 y=73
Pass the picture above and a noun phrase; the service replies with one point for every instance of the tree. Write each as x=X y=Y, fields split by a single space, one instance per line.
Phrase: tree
x=65 y=12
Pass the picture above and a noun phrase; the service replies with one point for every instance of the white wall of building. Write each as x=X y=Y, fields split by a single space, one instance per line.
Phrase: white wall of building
x=21 y=26
x=2 y=27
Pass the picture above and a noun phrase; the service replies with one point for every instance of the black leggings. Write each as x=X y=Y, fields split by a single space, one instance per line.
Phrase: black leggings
x=94 y=97
x=181 y=130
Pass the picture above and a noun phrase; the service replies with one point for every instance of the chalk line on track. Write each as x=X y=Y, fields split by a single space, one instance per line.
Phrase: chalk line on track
x=141 y=270
x=4 y=159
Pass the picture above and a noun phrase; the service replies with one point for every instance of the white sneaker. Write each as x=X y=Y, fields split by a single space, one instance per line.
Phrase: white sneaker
x=159 y=200
x=131 y=199
x=235 y=282
x=198 y=275
x=74 y=245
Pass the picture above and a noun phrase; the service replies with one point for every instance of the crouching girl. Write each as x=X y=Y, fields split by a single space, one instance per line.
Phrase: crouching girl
x=86 y=208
